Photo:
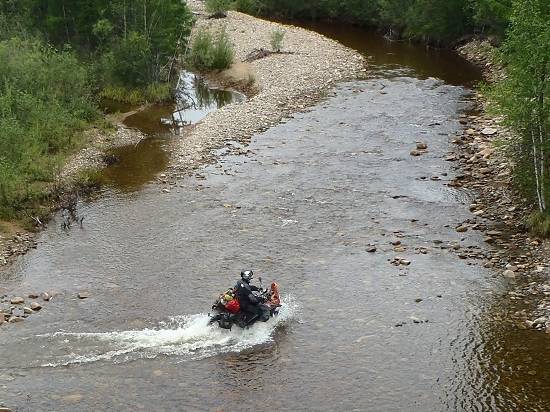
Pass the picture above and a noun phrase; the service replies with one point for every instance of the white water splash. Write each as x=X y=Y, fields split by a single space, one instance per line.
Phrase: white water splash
x=187 y=336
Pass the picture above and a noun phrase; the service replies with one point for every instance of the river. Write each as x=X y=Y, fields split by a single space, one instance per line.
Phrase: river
x=356 y=332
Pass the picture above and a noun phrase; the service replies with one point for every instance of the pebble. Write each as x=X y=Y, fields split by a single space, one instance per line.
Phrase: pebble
x=509 y=274
x=462 y=229
x=83 y=295
x=488 y=131
x=45 y=296
x=36 y=306
x=421 y=146
x=371 y=249
x=17 y=300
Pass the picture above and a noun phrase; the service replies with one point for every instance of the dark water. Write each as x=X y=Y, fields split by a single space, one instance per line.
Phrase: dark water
x=301 y=209
x=396 y=58
x=139 y=164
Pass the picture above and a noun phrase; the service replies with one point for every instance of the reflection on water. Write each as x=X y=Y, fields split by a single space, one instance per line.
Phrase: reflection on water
x=139 y=164
x=194 y=99
x=397 y=58
x=508 y=367
x=514 y=361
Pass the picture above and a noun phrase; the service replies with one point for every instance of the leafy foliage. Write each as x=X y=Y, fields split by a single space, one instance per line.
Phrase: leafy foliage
x=522 y=97
x=55 y=56
x=211 y=51
x=433 y=21
x=45 y=98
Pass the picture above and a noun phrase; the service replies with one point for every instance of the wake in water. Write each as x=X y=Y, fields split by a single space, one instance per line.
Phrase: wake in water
x=187 y=336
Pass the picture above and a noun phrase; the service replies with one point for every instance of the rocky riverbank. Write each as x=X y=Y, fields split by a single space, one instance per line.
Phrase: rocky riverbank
x=499 y=209
x=284 y=83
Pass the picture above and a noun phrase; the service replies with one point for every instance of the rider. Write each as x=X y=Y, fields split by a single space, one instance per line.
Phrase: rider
x=250 y=303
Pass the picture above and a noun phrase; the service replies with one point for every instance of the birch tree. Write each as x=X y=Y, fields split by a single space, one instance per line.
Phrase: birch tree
x=523 y=95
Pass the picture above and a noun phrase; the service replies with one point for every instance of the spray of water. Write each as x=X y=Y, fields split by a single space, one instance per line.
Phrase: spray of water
x=189 y=337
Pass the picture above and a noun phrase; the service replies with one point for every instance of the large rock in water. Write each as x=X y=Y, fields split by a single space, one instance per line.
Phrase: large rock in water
x=36 y=306
x=509 y=274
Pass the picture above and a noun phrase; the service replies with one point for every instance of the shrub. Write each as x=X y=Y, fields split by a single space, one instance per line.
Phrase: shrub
x=45 y=99
x=211 y=51
x=245 y=6
x=223 y=50
x=217 y=6
x=132 y=60
x=276 y=39
x=539 y=224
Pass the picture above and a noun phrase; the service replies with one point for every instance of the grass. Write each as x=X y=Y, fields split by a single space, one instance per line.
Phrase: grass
x=217 y=6
x=211 y=50
x=153 y=93
x=539 y=224
x=88 y=179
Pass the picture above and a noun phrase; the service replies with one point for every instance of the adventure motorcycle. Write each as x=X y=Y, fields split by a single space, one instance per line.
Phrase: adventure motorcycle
x=227 y=311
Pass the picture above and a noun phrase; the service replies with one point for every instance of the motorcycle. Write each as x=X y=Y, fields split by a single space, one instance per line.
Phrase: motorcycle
x=227 y=312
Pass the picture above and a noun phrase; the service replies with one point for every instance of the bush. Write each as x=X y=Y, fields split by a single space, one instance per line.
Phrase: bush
x=276 y=39
x=132 y=62
x=211 y=51
x=245 y=6
x=217 y=6
x=539 y=224
x=45 y=99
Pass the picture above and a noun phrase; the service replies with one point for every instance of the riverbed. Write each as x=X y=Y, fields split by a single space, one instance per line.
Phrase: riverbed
x=407 y=326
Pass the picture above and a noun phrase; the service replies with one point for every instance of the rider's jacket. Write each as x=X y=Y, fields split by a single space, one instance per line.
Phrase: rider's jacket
x=244 y=293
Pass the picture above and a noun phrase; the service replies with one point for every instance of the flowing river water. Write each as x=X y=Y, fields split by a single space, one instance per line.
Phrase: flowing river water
x=356 y=332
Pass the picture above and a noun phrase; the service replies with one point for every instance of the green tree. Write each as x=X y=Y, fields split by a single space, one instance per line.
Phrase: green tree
x=491 y=16
x=523 y=95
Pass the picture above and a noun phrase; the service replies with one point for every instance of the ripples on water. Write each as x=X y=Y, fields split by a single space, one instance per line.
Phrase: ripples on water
x=187 y=336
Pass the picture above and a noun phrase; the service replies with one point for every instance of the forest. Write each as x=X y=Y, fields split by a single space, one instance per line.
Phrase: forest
x=438 y=22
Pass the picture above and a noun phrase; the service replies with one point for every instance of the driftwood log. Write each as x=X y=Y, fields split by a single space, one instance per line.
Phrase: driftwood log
x=258 y=54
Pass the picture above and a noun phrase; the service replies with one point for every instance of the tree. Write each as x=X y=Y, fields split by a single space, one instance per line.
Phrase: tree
x=523 y=95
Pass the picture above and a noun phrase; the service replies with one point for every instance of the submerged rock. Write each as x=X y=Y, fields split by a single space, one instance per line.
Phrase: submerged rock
x=509 y=274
